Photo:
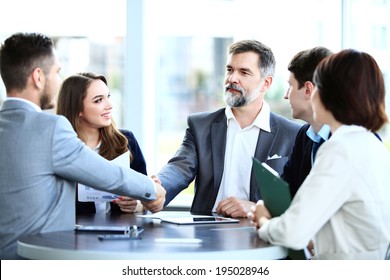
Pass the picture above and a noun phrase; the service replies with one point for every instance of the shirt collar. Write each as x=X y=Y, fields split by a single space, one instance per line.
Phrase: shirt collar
x=262 y=120
x=35 y=106
x=323 y=133
x=97 y=148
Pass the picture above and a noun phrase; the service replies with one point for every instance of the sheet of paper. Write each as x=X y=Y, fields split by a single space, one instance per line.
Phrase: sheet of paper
x=87 y=194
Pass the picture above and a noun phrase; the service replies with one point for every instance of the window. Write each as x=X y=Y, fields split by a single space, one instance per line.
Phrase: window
x=163 y=64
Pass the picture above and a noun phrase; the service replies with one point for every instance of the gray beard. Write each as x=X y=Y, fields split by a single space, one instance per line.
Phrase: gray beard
x=233 y=100
x=244 y=98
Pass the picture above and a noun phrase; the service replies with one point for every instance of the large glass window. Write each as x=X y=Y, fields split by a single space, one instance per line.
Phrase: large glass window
x=163 y=63
x=190 y=49
x=366 y=28
x=89 y=36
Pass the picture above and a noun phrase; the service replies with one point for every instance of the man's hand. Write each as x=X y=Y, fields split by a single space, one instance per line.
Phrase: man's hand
x=234 y=207
x=158 y=204
x=156 y=179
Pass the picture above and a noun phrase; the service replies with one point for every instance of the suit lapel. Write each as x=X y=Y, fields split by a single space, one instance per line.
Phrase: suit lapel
x=218 y=140
x=265 y=141
x=264 y=144
x=218 y=145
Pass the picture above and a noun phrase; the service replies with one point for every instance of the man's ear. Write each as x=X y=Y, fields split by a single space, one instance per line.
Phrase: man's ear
x=267 y=83
x=309 y=87
x=38 y=78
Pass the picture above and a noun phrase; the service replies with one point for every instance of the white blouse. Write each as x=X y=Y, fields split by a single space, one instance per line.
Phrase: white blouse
x=344 y=203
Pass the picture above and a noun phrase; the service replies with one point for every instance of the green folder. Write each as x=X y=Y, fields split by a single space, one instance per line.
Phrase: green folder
x=275 y=193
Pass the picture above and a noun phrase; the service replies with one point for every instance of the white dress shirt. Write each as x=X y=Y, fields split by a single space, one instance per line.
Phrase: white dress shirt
x=240 y=148
x=344 y=203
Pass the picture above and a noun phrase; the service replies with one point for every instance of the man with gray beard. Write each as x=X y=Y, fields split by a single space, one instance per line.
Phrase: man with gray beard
x=218 y=146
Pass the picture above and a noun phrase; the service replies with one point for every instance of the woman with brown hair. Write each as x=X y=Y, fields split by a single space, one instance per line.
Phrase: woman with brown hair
x=84 y=99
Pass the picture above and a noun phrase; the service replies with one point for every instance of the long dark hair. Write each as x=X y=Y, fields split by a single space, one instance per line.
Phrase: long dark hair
x=70 y=104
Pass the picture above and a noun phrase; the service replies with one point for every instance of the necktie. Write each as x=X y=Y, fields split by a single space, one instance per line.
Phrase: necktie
x=315 y=147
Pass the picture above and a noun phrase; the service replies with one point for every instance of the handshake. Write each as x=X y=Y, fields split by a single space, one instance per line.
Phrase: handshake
x=131 y=205
x=158 y=204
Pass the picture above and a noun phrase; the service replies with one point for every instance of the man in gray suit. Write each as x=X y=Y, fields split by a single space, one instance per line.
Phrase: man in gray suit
x=41 y=156
x=218 y=147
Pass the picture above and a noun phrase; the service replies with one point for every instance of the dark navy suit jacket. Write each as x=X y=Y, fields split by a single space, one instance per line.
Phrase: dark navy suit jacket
x=299 y=163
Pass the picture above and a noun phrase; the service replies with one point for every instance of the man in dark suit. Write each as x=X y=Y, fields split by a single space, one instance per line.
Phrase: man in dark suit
x=312 y=134
x=218 y=147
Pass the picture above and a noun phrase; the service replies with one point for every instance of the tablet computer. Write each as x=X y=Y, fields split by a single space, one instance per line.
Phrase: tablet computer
x=198 y=220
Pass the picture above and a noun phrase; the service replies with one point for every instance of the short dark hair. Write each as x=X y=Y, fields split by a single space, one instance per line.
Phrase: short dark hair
x=351 y=86
x=266 y=56
x=20 y=54
x=303 y=64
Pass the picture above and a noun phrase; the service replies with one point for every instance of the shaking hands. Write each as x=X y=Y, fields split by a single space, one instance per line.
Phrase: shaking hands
x=158 y=204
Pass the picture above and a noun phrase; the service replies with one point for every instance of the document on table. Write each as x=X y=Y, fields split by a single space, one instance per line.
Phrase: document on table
x=86 y=193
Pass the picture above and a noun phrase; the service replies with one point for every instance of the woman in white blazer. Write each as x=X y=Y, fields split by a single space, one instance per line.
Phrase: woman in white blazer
x=343 y=206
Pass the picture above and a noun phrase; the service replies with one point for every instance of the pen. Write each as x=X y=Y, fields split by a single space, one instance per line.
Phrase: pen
x=112 y=197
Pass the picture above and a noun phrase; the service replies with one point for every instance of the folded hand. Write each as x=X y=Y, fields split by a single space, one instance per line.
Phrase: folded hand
x=128 y=204
x=259 y=214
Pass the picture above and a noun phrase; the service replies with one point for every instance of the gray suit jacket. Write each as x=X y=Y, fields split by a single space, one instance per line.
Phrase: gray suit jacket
x=202 y=153
x=40 y=159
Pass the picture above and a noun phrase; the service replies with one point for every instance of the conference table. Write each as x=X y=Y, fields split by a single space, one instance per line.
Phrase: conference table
x=238 y=241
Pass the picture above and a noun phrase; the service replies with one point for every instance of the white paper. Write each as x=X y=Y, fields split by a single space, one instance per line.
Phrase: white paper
x=86 y=193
